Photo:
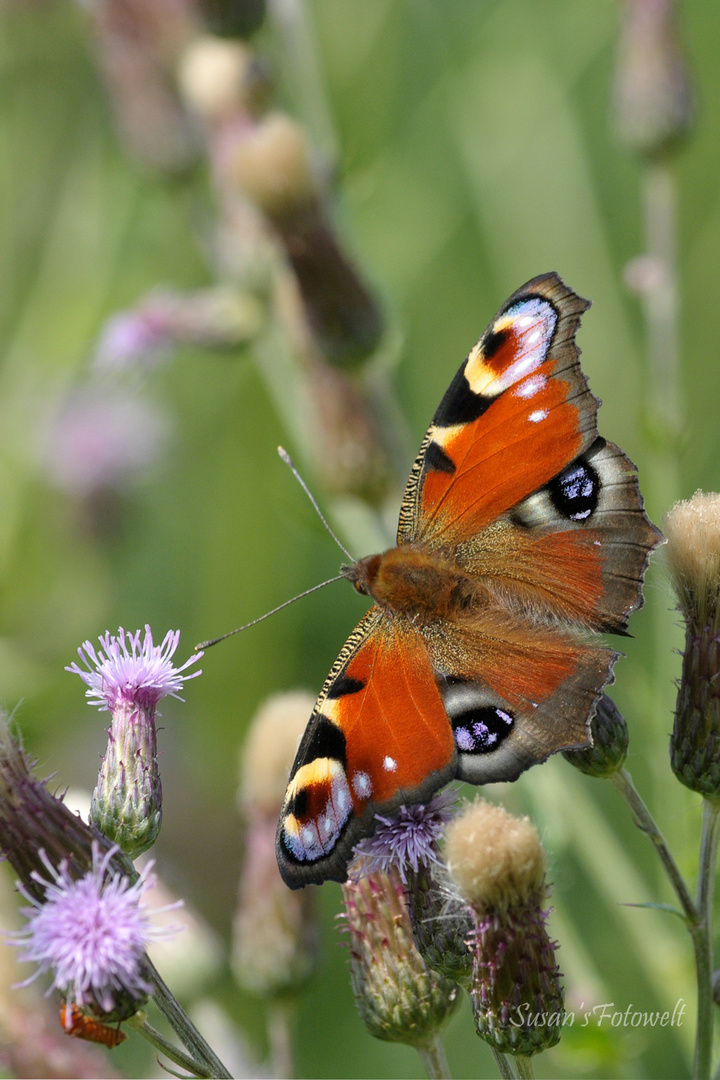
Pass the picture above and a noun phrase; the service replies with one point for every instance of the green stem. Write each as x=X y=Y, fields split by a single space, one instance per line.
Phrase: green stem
x=434 y=1059
x=503 y=1063
x=141 y=1025
x=660 y=301
x=703 y=939
x=210 y=1064
x=646 y=823
x=525 y=1068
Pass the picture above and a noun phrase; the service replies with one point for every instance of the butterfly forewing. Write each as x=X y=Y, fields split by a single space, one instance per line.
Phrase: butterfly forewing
x=378 y=737
x=517 y=412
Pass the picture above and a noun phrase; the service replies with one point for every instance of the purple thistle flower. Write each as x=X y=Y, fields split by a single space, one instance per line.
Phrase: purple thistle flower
x=129 y=679
x=410 y=839
x=131 y=673
x=91 y=933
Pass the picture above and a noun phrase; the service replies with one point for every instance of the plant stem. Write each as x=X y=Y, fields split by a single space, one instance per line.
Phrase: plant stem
x=503 y=1063
x=660 y=302
x=646 y=823
x=525 y=1068
x=183 y=1026
x=139 y=1023
x=280 y=1038
x=433 y=1057
x=703 y=939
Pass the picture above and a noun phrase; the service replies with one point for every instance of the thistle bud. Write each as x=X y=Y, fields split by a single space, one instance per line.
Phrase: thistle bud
x=498 y=866
x=440 y=922
x=653 y=100
x=409 y=843
x=610 y=740
x=137 y=45
x=693 y=554
x=398 y=996
x=275 y=941
x=32 y=820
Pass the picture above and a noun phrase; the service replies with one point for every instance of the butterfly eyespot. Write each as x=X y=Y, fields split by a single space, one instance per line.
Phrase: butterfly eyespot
x=481 y=730
x=575 y=492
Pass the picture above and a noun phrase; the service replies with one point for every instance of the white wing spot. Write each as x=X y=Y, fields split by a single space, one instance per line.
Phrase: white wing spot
x=389 y=764
x=362 y=784
x=537 y=416
x=530 y=387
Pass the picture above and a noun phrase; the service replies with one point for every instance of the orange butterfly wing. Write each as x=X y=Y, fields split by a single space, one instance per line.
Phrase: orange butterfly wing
x=516 y=505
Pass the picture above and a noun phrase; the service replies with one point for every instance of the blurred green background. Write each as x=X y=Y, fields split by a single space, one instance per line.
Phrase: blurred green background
x=475 y=149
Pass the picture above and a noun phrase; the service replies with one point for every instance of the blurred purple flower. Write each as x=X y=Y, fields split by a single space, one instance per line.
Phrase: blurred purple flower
x=140 y=335
x=102 y=439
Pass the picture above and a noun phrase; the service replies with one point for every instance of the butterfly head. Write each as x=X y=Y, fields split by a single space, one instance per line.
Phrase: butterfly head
x=363 y=573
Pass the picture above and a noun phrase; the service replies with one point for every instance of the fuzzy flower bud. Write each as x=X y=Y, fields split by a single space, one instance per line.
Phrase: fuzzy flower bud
x=398 y=996
x=610 y=740
x=275 y=941
x=497 y=864
x=129 y=679
x=693 y=554
x=653 y=100
x=220 y=80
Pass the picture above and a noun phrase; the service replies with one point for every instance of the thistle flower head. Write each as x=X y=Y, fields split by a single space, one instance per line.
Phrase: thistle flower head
x=496 y=860
x=692 y=528
x=410 y=839
x=693 y=552
x=134 y=337
x=498 y=866
x=398 y=996
x=126 y=671
x=129 y=678
x=91 y=933
x=101 y=439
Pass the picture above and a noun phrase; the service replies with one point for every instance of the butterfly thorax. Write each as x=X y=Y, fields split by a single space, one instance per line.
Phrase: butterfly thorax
x=414 y=580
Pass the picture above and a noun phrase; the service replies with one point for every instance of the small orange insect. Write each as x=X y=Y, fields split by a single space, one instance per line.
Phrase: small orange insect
x=87 y=1027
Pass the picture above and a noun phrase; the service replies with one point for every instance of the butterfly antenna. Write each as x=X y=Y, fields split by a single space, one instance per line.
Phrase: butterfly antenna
x=213 y=641
x=291 y=465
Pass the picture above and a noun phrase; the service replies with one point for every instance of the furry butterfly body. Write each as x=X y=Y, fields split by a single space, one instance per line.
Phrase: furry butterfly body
x=521 y=536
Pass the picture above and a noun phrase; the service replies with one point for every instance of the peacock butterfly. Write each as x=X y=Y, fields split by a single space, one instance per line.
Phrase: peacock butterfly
x=521 y=533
